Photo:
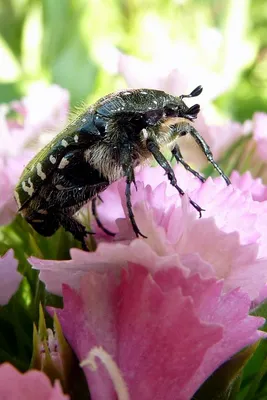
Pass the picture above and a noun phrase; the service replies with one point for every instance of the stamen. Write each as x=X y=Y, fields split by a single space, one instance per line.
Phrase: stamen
x=111 y=367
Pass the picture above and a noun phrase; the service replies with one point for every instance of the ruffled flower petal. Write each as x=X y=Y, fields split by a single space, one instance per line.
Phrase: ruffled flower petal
x=9 y=277
x=166 y=332
x=229 y=240
x=29 y=386
x=253 y=186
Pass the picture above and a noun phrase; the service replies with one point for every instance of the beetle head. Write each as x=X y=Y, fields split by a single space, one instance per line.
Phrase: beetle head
x=178 y=108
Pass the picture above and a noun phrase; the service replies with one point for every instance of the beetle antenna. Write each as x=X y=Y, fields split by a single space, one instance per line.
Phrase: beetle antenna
x=194 y=93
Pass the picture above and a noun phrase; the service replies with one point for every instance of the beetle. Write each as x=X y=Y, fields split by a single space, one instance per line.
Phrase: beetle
x=105 y=143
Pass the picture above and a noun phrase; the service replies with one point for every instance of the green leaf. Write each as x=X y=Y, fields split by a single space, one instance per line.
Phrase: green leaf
x=65 y=51
x=220 y=384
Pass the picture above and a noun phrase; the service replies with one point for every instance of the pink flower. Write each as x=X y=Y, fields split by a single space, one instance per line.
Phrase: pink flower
x=171 y=306
x=253 y=186
x=174 y=76
x=45 y=108
x=29 y=386
x=9 y=277
x=221 y=137
x=228 y=242
x=160 y=335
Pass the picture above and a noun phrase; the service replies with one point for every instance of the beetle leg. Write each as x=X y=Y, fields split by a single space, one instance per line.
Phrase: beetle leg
x=76 y=228
x=206 y=150
x=129 y=180
x=100 y=198
x=99 y=223
x=176 y=152
x=162 y=161
x=44 y=224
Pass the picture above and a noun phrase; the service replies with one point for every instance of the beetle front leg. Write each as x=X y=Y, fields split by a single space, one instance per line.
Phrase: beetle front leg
x=129 y=180
x=162 y=161
x=99 y=223
x=206 y=150
x=76 y=228
x=179 y=158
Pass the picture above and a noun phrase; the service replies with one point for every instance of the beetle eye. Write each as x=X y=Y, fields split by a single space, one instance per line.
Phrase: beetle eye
x=171 y=110
x=100 y=124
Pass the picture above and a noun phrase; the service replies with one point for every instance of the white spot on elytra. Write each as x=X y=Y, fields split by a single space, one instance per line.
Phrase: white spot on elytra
x=143 y=91
x=64 y=143
x=60 y=187
x=52 y=159
x=28 y=189
x=84 y=120
x=155 y=102
x=76 y=138
x=40 y=172
x=63 y=163
x=126 y=93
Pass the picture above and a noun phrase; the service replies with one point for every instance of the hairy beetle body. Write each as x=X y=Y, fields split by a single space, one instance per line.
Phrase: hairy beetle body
x=105 y=143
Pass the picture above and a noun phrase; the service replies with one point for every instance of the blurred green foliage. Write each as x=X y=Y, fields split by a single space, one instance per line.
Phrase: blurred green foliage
x=62 y=41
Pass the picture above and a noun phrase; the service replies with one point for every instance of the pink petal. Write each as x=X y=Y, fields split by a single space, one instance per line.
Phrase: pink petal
x=139 y=74
x=175 y=76
x=44 y=108
x=9 y=277
x=10 y=171
x=167 y=334
x=246 y=183
x=15 y=385
x=7 y=204
x=229 y=239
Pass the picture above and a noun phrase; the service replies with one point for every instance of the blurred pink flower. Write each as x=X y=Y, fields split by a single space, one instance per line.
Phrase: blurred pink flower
x=165 y=332
x=175 y=77
x=260 y=133
x=29 y=386
x=221 y=137
x=228 y=242
x=9 y=277
x=45 y=108
x=253 y=186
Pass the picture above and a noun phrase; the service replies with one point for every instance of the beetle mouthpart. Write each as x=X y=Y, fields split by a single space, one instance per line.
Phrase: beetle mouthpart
x=193 y=111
